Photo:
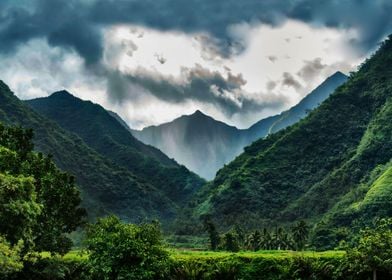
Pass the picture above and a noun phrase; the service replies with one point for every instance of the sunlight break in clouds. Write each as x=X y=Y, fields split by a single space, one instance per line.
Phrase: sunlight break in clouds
x=150 y=76
x=282 y=62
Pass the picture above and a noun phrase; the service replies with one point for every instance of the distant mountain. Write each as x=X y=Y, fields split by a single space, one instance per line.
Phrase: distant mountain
x=103 y=132
x=333 y=168
x=299 y=111
x=198 y=141
x=205 y=145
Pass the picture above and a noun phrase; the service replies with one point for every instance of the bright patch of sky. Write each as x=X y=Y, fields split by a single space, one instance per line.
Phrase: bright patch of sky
x=278 y=65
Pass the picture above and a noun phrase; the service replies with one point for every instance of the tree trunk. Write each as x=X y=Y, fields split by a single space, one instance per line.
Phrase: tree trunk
x=374 y=274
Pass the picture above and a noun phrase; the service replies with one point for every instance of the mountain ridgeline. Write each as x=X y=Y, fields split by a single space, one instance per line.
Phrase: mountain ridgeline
x=198 y=141
x=111 y=167
x=332 y=168
x=205 y=145
x=309 y=102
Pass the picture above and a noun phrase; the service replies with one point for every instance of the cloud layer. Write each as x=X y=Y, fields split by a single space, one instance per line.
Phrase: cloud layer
x=236 y=59
x=77 y=23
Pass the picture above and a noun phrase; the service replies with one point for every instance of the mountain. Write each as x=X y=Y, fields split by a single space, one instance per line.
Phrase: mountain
x=309 y=102
x=329 y=169
x=106 y=187
x=120 y=120
x=198 y=141
x=101 y=131
x=205 y=145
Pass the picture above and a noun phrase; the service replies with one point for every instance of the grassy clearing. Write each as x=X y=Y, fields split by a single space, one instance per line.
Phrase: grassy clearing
x=275 y=254
x=182 y=254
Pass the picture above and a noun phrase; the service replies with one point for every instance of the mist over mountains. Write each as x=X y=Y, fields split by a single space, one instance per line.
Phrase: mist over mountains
x=326 y=160
x=204 y=145
x=332 y=168
x=199 y=139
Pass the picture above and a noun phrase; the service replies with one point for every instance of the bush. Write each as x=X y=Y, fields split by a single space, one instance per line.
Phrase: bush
x=126 y=251
x=53 y=268
x=10 y=261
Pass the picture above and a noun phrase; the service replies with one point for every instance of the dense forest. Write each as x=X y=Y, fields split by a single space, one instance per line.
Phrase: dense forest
x=107 y=186
x=324 y=183
x=329 y=169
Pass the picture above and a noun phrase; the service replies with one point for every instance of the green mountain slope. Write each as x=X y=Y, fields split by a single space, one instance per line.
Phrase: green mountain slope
x=107 y=136
x=205 y=145
x=303 y=171
x=297 y=112
x=106 y=187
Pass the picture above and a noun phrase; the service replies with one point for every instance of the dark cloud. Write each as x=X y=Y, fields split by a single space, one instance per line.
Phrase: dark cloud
x=272 y=58
x=271 y=85
x=130 y=46
x=76 y=23
x=198 y=84
x=160 y=58
x=311 y=69
x=290 y=81
x=62 y=23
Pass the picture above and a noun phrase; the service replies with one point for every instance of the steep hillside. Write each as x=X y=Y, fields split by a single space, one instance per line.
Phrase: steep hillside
x=107 y=136
x=198 y=141
x=105 y=186
x=297 y=112
x=303 y=171
x=205 y=145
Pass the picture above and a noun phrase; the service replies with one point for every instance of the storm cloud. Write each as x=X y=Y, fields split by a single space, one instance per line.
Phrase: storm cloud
x=197 y=84
x=77 y=24
x=224 y=62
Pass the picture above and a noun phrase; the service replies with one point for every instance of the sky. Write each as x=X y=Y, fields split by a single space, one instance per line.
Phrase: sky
x=154 y=60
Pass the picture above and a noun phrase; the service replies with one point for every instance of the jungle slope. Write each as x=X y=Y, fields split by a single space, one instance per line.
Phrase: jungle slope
x=305 y=170
x=106 y=187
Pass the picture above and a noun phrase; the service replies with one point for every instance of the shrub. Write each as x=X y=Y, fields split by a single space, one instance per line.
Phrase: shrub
x=126 y=251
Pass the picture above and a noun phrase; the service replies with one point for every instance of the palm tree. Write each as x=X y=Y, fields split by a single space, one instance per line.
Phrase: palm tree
x=253 y=241
x=300 y=232
x=266 y=242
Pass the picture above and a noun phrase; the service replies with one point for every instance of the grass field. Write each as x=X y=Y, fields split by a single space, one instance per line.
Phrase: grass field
x=191 y=254
x=277 y=254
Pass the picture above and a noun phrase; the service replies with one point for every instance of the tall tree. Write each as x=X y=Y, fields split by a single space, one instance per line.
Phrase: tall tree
x=40 y=202
x=213 y=233
x=254 y=241
x=231 y=241
x=300 y=233
x=374 y=250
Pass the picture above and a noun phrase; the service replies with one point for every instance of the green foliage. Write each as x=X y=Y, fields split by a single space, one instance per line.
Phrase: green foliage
x=300 y=232
x=105 y=186
x=10 y=260
x=126 y=251
x=18 y=208
x=101 y=131
x=311 y=170
x=230 y=242
x=213 y=233
x=39 y=204
x=202 y=265
x=52 y=268
x=374 y=250
x=254 y=241
x=61 y=199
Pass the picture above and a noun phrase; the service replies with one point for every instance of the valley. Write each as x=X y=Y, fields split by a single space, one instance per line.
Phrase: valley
x=164 y=140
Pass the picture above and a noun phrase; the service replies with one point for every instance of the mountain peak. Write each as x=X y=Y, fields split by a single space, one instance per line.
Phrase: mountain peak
x=62 y=94
x=198 y=113
x=338 y=74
